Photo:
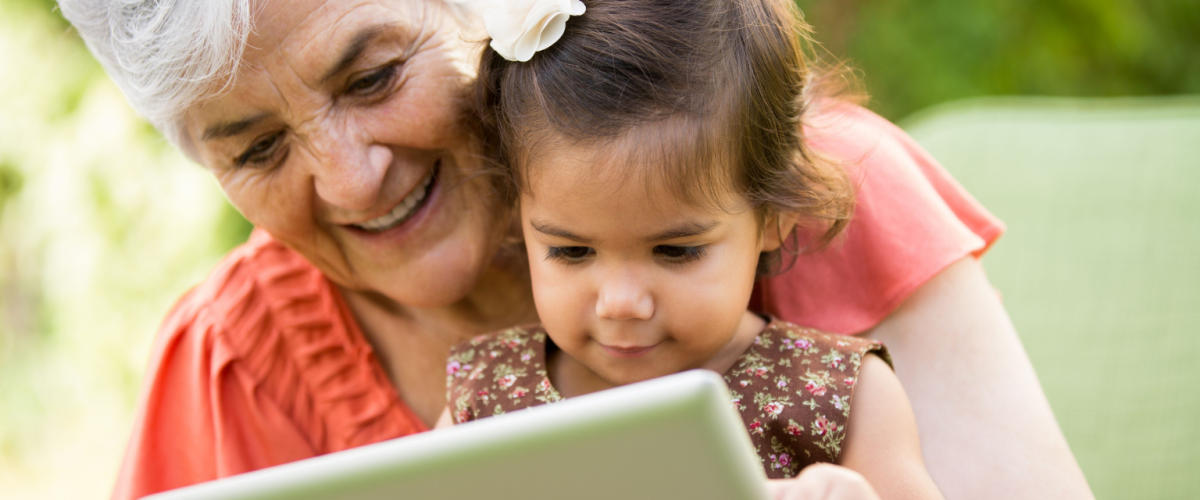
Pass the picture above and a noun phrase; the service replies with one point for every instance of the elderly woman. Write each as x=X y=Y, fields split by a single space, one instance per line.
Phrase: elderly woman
x=341 y=130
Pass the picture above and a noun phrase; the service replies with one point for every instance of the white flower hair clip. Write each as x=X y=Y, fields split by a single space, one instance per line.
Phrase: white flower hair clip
x=520 y=28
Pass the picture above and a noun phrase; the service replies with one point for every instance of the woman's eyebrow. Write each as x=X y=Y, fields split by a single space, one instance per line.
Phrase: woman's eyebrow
x=350 y=54
x=231 y=128
x=354 y=49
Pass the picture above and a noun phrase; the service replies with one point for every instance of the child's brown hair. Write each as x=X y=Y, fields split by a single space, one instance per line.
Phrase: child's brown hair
x=725 y=83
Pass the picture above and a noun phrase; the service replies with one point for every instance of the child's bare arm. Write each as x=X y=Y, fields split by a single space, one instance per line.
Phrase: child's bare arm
x=881 y=441
x=881 y=455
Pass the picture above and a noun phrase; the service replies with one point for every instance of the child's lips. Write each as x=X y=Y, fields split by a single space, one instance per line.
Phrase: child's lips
x=628 y=351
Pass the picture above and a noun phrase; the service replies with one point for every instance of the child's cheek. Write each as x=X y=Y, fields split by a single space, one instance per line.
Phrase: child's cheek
x=561 y=296
x=708 y=304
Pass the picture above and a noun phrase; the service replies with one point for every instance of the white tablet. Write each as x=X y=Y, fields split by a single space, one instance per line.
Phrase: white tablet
x=672 y=437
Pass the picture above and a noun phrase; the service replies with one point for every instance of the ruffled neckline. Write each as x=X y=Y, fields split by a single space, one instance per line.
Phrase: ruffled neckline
x=305 y=350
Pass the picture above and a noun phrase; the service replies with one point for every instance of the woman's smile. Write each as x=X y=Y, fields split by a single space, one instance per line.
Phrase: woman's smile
x=414 y=214
x=404 y=209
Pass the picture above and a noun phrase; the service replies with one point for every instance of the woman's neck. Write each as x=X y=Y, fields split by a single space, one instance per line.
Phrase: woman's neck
x=412 y=343
x=501 y=297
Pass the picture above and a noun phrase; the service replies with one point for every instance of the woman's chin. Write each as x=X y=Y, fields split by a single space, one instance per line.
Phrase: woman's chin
x=429 y=291
x=443 y=275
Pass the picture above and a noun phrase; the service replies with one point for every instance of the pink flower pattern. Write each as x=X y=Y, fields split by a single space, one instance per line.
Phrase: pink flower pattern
x=792 y=387
x=815 y=388
x=506 y=381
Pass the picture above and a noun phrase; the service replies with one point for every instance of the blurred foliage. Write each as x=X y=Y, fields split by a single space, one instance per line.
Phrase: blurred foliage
x=103 y=225
x=916 y=53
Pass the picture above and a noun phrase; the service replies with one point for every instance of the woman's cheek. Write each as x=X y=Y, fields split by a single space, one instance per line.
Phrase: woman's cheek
x=268 y=201
x=418 y=113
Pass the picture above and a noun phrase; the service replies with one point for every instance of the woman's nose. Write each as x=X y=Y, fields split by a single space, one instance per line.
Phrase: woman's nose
x=623 y=298
x=349 y=171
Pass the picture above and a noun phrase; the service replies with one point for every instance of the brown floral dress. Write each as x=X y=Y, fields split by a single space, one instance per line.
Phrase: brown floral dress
x=792 y=387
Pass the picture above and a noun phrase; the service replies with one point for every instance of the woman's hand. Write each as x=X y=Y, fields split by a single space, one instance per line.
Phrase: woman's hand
x=822 y=482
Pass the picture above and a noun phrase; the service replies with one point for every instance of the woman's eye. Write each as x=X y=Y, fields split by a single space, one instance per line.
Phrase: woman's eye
x=569 y=255
x=261 y=151
x=371 y=82
x=679 y=254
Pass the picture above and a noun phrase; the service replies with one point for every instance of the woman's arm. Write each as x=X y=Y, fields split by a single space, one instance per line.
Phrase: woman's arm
x=986 y=429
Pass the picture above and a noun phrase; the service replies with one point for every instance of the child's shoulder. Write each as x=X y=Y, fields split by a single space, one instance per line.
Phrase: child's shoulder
x=784 y=351
x=786 y=336
x=793 y=388
x=508 y=339
x=498 y=372
x=519 y=346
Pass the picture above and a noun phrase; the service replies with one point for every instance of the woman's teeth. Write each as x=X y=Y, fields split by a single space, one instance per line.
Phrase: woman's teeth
x=402 y=210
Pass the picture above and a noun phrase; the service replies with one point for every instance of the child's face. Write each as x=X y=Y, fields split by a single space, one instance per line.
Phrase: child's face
x=630 y=280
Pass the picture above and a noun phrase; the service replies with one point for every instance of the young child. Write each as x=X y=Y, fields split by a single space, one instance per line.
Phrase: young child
x=656 y=155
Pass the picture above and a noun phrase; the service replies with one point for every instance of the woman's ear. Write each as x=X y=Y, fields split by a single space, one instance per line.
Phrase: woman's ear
x=777 y=228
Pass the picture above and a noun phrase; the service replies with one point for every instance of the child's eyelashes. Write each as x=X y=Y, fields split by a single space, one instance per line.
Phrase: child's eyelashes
x=569 y=255
x=673 y=254
x=680 y=254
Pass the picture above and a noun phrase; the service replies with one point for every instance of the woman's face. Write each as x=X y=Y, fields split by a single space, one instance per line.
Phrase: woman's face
x=343 y=137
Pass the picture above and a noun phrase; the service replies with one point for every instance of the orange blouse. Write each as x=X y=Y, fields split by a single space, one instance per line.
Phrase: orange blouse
x=263 y=363
x=911 y=221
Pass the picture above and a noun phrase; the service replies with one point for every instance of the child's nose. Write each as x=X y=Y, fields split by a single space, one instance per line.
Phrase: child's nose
x=622 y=299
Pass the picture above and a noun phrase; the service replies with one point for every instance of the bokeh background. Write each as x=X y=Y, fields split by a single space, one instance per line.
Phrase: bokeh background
x=103 y=225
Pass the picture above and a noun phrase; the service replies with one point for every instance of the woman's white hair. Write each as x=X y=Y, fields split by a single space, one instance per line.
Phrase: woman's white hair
x=165 y=55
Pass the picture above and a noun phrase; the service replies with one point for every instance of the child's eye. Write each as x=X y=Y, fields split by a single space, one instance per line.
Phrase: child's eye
x=680 y=254
x=569 y=255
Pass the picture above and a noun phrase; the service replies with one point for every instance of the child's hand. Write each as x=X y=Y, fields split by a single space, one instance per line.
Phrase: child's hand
x=444 y=420
x=822 y=482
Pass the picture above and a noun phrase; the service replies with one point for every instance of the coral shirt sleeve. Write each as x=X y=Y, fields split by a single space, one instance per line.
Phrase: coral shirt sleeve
x=911 y=221
x=260 y=365
x=200 y=416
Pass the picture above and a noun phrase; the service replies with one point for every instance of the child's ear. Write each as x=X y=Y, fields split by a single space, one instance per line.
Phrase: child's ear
x=777 y=228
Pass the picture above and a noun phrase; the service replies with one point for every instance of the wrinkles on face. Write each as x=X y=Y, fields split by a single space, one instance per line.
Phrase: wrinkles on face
x=336 y=150
x=350 y=154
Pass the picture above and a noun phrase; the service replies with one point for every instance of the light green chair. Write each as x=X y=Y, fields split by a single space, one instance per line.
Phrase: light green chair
x=1100 y=268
